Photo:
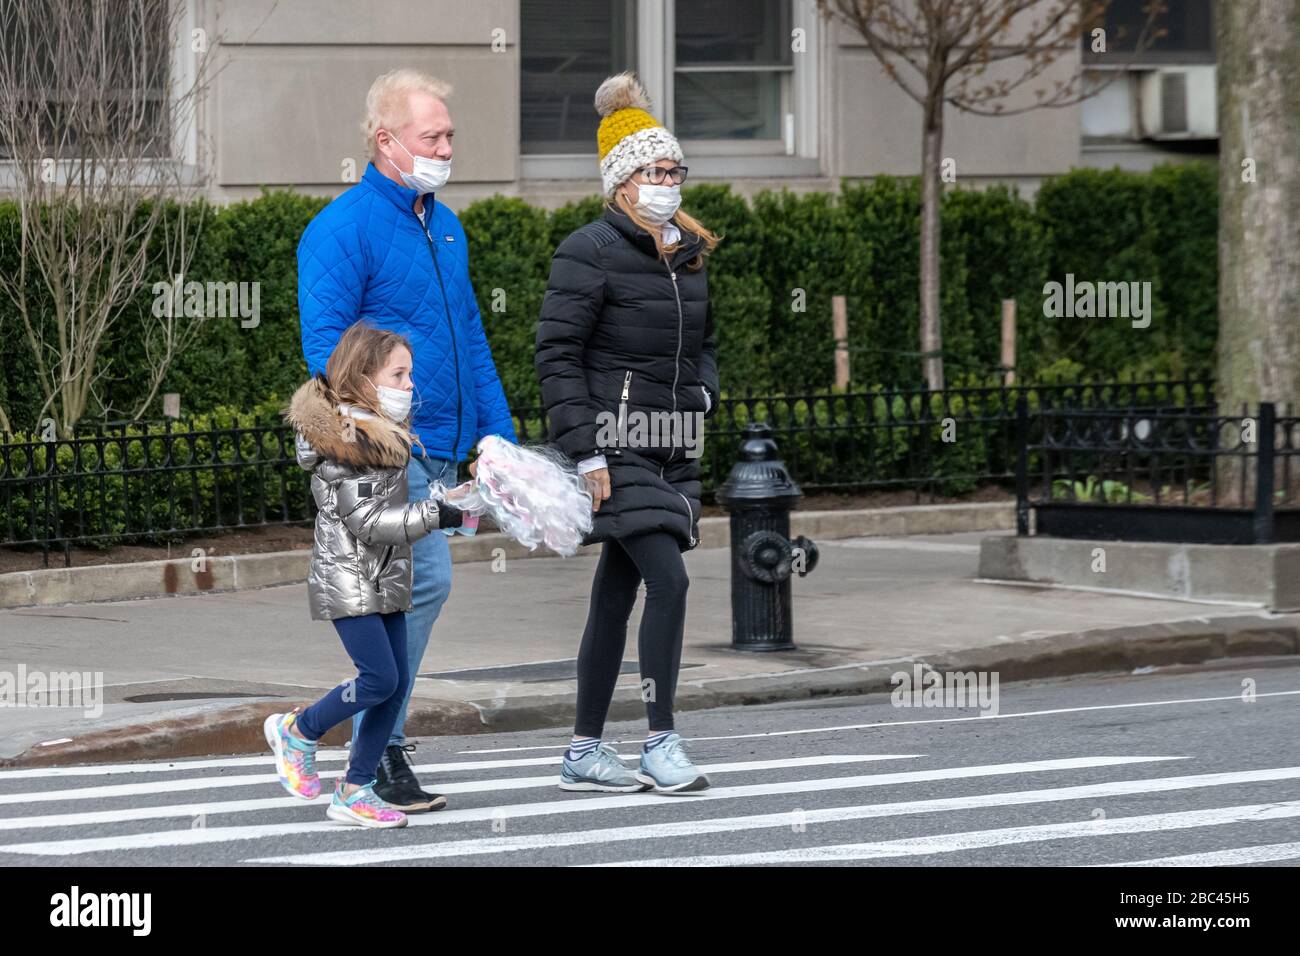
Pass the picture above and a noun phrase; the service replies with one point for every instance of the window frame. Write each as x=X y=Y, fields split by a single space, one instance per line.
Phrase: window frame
x=796 y=154
x=183 y=145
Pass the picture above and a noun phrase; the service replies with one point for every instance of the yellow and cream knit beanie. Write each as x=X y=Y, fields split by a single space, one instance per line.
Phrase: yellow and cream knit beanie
x=629 y=137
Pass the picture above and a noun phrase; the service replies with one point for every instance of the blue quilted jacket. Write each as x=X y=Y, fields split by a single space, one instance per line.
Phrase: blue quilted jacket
x=367 y=256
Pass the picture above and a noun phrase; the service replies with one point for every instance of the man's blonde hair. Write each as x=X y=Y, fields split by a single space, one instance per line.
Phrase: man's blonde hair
x=388 y=104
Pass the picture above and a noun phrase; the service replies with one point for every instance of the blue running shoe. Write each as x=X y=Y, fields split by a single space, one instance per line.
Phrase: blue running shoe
x=599 y=770
x=667 y=769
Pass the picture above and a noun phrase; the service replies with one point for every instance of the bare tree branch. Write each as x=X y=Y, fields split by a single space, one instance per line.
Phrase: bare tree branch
x=951 y=45
x=91 y=105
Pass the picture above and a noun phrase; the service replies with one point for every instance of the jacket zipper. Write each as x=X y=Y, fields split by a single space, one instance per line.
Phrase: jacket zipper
x=455 y=448
x=677 y=360
x=622 y=407
x=677 y=368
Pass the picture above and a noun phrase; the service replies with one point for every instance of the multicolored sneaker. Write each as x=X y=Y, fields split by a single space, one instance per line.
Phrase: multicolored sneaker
x=364 y=808
x=295 y=758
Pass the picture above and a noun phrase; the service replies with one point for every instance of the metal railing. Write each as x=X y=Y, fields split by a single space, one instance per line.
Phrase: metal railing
x=1160 y=474
x=159 y=482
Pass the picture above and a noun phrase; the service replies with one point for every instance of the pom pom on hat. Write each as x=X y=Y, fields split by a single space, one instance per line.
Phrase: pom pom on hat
x=628 y=137
x=621 y=92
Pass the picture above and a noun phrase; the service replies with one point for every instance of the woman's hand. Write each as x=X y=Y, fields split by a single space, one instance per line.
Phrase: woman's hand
x=473 y=468
x=598 y=485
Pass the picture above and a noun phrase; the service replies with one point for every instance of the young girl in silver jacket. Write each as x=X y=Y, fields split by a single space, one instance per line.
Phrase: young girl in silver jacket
x=352 y=436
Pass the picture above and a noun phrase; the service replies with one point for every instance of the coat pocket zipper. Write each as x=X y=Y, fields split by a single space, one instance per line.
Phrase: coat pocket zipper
x=383 y=565
x=690 y=519
x=622 y=408
x=690 y=512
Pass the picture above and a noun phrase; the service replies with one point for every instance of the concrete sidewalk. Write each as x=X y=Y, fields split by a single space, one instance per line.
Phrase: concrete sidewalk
x=195 y=674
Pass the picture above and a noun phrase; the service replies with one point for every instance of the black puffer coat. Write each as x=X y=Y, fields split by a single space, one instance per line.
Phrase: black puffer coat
x=623 y=335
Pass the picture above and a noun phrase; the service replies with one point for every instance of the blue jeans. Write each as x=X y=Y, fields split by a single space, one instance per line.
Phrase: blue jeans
x=431 y=584
x=377 y=645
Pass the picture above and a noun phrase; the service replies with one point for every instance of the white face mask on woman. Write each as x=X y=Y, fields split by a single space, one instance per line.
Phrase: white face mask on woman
x=658 y=203
x=396 y=402
x=427 y=175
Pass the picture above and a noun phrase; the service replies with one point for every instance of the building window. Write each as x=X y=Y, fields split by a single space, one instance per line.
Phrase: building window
x=566 y=49
x=723 y=75
x=114 y=103
x=1187 y=29
x=733 y=69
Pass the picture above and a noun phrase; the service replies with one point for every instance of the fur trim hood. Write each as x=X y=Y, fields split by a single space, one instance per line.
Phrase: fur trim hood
x=374 y=443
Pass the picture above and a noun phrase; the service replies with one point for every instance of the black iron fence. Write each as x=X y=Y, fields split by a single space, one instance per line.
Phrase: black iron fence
x=160 y=481
x=1159 y=473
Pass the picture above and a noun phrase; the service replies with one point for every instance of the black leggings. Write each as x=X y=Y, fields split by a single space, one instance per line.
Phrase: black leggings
x=655 y=557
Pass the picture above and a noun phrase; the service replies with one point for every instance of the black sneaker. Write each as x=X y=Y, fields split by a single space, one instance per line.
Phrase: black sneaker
x=397 y=786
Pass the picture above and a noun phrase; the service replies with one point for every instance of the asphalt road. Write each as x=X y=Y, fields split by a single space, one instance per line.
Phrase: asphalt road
x=1164 y=767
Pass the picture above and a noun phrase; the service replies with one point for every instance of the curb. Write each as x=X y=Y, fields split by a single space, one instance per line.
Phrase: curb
x=1098 y=651
x=49 y=587
x=231 y=730
x=238 y=730
x=1258 y=575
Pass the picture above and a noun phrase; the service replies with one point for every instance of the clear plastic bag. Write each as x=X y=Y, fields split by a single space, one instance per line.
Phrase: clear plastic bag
x=533 y=496
x=466 y=497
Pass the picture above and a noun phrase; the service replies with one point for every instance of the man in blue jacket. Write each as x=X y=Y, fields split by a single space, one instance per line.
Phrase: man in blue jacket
x=387 y=252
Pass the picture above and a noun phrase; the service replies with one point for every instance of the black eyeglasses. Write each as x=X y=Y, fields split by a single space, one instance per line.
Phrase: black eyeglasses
x=655 y=175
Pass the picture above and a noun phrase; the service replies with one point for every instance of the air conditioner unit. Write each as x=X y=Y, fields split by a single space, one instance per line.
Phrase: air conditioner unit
x=1179 y=103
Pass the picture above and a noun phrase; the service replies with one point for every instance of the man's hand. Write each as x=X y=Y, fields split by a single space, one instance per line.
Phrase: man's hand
x=598 y=485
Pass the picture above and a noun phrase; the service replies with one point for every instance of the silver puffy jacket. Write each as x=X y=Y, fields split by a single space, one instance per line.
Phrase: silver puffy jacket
x=361 y=557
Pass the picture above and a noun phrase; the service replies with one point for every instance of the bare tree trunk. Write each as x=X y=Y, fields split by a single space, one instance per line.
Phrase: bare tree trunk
x=1259 y=210
x=931 y=196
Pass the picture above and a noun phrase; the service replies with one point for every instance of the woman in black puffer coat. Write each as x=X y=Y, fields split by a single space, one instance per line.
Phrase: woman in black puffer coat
x=628 y=368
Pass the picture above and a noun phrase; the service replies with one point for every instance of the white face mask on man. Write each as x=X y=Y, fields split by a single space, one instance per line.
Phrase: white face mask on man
x=427 y=175
x=658 y=203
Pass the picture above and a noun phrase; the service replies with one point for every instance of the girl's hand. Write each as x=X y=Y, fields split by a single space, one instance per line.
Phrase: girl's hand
x=598 y=485
x=460 y=491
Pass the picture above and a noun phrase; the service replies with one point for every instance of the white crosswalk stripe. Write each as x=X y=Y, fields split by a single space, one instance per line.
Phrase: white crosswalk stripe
x=976 y=839
x=208 y=835
x=1239 y=856
x=113 y=769
x=505 y=783
x=193 y=804
x=894 y=724
x=806 y=817
x=274 y=803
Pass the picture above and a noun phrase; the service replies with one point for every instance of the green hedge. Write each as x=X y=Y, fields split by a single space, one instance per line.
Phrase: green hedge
x=861 y=242
x=220 y=467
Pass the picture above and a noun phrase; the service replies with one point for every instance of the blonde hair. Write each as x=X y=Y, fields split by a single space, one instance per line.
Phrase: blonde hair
x=683 y=220
x=362 y=350
x=388 y=103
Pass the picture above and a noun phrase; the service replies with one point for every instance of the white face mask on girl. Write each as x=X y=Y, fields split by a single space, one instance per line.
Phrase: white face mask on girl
x=658 y=203
x=427 y=175
x=396 y=402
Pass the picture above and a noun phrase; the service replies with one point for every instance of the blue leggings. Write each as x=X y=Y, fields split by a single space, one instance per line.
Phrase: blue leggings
x=377 y=645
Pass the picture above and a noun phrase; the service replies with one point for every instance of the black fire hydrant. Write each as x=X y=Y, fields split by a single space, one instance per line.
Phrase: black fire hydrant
x=758 y=495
